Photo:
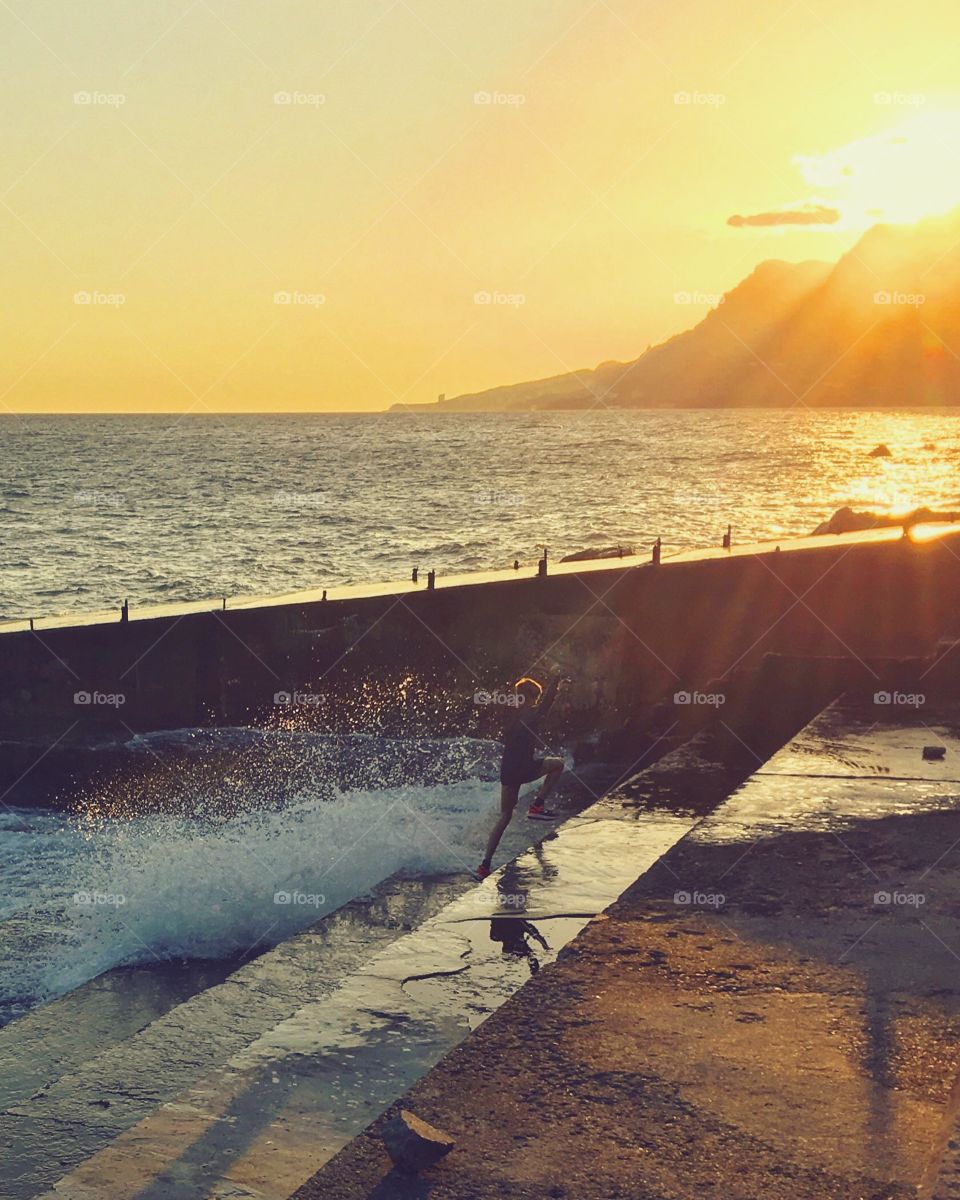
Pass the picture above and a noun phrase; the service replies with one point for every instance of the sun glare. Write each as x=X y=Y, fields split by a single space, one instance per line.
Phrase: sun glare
x=908 y=172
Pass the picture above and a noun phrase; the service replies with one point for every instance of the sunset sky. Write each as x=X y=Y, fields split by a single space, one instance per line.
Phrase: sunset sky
x=173 y=171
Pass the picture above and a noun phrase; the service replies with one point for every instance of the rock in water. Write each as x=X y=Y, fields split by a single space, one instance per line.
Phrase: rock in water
x=413 y=1144
x=881 y=451
x=602 y=552
x=845 y=520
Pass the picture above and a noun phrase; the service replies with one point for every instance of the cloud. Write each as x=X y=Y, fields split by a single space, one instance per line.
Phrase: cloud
x=809 y=214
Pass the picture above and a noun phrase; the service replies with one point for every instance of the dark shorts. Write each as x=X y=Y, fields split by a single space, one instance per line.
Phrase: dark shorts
x=516 y=774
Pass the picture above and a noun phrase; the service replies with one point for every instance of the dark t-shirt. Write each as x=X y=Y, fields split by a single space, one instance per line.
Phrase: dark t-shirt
x=520 y=744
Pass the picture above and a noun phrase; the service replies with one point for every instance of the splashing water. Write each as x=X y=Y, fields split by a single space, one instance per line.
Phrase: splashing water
x=88 y=894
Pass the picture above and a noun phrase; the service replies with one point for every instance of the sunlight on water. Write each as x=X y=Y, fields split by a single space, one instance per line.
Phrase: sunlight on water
x=95 y=509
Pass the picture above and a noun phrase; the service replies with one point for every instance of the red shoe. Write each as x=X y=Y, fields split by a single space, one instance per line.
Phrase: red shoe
x=536 y=812
x=482 y=871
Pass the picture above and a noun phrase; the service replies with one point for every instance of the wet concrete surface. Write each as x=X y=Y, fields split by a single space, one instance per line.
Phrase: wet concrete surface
x=83 y=1068
x=772 y=1010
x=250 y=1086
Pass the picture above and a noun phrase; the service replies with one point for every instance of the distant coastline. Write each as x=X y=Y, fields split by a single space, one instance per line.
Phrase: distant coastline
x=873 y=330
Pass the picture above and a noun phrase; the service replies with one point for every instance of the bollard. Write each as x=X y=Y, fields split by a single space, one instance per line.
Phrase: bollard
x=727 y=538
x=125 y=612
x=31 y=624
x=431 y=580
x=324 y=596
x=542 y=564
x=224 y=608
x=415 y=575
x=655 y=556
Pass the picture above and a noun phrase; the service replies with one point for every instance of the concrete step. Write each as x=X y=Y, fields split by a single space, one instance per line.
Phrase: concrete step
x=280 y=1100
x=79 y=1071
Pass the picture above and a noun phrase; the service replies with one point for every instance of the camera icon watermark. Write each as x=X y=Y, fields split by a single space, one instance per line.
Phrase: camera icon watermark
x=300 y=99
x=697 y=899
x=87 y=899
x=104 y=699
x=501 y=299
x=100 y=299
x=506 y=699
x=901 y=299
x=300 y=899
x=296 y=699
x=897 y=899
x=495 y=498
x=707 y=699
x=100 y=99
x=500 y=99
x=713 y=299
x=85 y=499
x=900 y=699
x=900 y=99
x=701 y=99
x=300 y=299
x=297 y=500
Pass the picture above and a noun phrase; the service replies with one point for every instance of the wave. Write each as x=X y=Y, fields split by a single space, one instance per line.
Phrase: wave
x=86 y=895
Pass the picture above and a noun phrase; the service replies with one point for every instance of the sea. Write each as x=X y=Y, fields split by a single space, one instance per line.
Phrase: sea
x=98 y=509
x=156 y=508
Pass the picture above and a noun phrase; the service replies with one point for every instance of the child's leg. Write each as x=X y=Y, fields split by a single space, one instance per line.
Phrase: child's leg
x=554 y=769
x=508 y=802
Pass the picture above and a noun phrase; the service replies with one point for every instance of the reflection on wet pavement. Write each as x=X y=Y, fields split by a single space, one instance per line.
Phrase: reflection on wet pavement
x=280 y=1107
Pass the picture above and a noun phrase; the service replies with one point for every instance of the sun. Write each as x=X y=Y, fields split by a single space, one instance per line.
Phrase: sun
x=907 y=172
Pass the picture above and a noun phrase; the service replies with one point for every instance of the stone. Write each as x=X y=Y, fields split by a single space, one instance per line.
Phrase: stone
x=413 y=1144
x=881 y=451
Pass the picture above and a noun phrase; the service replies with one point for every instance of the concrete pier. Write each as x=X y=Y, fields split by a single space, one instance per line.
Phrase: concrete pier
x=771 y=1011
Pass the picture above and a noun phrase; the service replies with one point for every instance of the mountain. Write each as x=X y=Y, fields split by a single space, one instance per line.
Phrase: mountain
x=878 y=328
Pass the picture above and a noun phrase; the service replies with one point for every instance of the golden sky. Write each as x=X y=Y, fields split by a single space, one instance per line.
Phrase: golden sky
x=246 y=205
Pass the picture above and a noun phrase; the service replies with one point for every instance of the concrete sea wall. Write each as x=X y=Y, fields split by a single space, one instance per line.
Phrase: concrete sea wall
x=630 y=636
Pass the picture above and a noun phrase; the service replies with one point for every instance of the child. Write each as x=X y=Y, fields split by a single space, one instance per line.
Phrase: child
x=520 y=762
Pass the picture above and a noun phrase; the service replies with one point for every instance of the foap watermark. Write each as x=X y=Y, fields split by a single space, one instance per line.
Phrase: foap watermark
x=897 y=899
x=283 y=499
x=296 y=699
x=512 y=901
x=696 y=899
x=100 y=99
x=900 y=699
x=713 y=299
x=93 y=899
x=708 y=699
x=502 y=299
x=85 y=499
x=902 y=299
x=703 y=99
x=100 y=699
x=300 y=899
x=500 y=99
x=300 y=99
x=497 y=498
x=100 y=299
x=900 y=99
x=300 y=299
x=507 y=699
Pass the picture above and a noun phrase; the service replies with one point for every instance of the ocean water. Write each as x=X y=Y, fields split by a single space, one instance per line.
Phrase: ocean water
x=84 y=894
x=94 y=509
